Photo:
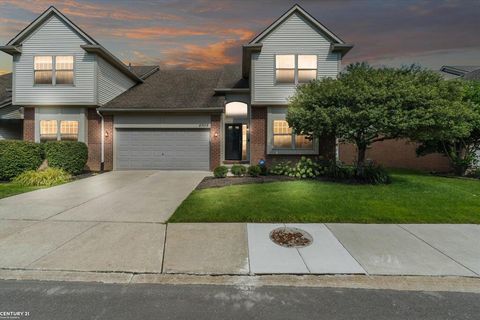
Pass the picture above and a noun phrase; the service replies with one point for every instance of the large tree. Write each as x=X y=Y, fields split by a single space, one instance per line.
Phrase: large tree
x=365 y=105
x=460 y=146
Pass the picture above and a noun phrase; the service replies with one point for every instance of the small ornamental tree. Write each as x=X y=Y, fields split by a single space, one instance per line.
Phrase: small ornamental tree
x=365 y=105
x=459 y=140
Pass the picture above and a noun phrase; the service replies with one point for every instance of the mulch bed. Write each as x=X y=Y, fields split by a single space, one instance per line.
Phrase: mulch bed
x=212 y=182
x=291 y=237
x=86 y=174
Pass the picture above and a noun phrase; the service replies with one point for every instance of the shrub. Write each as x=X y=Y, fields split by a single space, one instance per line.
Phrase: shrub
x=372 y=174
x=70 y=156
x=254 y=171
x=220 y=172
x=368 y=173
x=17 y=157
x=238 y=170
x=474 y=173
x=44 y=178
x=303 y=169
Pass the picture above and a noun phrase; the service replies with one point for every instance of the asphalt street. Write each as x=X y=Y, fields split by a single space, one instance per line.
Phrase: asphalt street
x=70 y=300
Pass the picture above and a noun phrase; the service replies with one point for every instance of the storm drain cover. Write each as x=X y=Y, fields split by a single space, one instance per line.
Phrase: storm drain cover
x=291 y=237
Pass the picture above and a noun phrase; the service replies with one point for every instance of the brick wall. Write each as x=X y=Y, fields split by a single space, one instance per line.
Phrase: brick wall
x=215 y=141
x=94 y=125
x=29 y=124
x=397 y=154
x=258 y=141
x=258 y=134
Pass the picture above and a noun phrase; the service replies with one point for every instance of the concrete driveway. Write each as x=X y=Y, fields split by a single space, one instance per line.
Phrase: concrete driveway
x=118 y=196
x=110 y=222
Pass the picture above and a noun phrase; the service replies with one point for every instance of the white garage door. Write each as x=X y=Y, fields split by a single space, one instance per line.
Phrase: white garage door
x=165 y=149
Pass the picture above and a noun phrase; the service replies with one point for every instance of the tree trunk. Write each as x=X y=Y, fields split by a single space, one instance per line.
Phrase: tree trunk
x=362 y=149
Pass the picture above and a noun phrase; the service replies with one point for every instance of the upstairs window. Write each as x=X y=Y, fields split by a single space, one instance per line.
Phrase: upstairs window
x=307 y=68
x=43 y=70
x=53 y=70
x=285 y=68
x=64 y=70
x=295 y=69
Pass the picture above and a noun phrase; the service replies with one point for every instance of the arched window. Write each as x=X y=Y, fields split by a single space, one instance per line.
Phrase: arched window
x=236 y=110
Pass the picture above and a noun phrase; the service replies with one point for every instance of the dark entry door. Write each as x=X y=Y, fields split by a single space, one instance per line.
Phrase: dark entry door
x=233 y=142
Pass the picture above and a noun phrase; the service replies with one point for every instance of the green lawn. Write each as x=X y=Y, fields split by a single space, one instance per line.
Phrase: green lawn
x=8 y=189
x=411 y=198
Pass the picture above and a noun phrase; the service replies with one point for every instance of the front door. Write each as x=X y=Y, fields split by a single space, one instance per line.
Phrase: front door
x=233 y=141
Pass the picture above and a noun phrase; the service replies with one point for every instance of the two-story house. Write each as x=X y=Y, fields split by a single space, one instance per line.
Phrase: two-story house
x=69 y=87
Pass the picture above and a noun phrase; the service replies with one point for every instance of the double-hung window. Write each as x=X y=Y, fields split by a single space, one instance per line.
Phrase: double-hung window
x=43 y=70
x=295 y=69
x=53 y=70
x=285 y=138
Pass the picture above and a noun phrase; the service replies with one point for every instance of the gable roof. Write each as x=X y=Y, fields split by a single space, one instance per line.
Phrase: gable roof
x=20 y=37
x=14 y=45
x=172 y=90
x=473 y=75
x=458 y=70
x=5 y=88
x=297 y=9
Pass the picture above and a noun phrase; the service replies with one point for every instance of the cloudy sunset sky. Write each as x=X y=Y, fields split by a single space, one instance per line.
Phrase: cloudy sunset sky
x=199 y=34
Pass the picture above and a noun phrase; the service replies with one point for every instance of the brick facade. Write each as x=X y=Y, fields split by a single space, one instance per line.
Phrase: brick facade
x=215 y=141
x=258 y=141
x=397 y=154
x=29 y=124
x=94 y=133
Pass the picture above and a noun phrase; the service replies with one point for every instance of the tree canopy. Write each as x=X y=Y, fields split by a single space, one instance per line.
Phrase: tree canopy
x=365 y=105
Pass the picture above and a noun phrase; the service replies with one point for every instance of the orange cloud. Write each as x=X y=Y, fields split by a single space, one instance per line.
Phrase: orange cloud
x=155 y=32
x=202 y=57
x=3 y=71
x=90 y=10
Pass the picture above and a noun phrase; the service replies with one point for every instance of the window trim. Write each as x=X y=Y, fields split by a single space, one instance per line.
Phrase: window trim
x=54 y=71
x=279 y=113
x=295 y=69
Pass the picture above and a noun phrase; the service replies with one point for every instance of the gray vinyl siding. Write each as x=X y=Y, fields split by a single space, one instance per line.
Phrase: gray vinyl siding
x=111 y=82
x=11 y=112
x=294 y=36
x=54 y=38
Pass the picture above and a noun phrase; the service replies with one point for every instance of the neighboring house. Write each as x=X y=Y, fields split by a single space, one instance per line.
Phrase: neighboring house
x=465 y=72
x=11 y=123
x=69 y=87
x=66 y=86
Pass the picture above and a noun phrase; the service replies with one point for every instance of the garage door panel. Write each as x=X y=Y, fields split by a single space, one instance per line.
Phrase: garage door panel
x=187 y=149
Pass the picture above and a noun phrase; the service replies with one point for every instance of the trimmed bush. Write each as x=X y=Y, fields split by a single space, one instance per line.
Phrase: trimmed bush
x=44 y=178
x=238 y=170
x=17 y=157
x=70 y=156
x=254 y=171
x=220 y=172
x=305 y=168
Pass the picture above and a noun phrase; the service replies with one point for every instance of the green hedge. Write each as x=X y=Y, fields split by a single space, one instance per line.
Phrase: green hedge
x=18 y=156
x=70 y=156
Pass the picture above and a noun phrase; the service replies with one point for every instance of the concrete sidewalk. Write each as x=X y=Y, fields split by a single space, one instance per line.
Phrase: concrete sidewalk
x=237 y=249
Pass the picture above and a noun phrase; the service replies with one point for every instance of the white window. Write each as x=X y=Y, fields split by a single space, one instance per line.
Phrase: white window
x=285 y=138
x=53 y=70
x=64 y=70
x=43 y=70
x=285 y=68
x=307 y=68
x=295 y=69
x=48 y=130
x=69 y=130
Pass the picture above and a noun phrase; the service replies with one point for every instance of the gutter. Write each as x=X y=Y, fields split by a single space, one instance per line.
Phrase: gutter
x=192 y=110
x=102 y=143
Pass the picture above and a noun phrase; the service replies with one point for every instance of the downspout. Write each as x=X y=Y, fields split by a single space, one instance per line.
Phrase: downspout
x=102 y=141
